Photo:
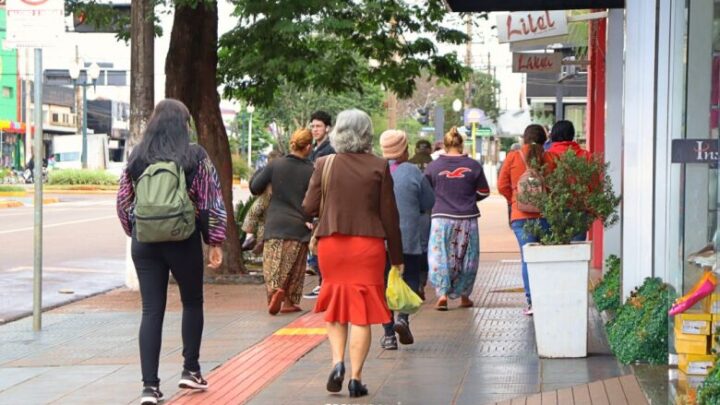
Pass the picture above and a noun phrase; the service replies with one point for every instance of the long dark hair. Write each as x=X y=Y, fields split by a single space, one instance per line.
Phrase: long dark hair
x=535 y=136
x=166 y=138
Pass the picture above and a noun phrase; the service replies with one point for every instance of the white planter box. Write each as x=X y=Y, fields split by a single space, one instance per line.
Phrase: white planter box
x=559 y=289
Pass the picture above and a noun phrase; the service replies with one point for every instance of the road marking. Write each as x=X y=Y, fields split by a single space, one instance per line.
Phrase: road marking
x=48 y=211
x=300 y=331
x=82 y=221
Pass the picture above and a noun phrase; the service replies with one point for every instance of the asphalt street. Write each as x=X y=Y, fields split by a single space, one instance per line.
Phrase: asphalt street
x=83 y=252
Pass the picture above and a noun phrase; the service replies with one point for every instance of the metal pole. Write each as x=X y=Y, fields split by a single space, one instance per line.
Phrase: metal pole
x=37 y=273
x=250 y=142
x=474 y=141
x=84 y=127
x=28 y=116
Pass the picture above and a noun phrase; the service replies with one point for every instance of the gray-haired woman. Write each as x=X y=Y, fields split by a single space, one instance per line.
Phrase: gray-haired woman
x=359 y=215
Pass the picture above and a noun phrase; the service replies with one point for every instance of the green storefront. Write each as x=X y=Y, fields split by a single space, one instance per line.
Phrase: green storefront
x=11 y=132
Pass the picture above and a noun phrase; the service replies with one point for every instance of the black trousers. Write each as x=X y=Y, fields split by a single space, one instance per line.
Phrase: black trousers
x=153 y=263
x=411 y=276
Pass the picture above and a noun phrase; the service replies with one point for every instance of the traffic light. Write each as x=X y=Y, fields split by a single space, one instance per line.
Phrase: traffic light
x=423 y=115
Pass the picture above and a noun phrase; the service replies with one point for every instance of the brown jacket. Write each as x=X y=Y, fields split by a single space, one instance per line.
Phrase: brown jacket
x=360 y=200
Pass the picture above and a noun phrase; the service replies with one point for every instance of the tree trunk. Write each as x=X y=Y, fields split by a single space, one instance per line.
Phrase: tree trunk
x=142 y=69
x=191 y=77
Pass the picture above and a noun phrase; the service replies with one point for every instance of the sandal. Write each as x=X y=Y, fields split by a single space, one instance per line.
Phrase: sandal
x=290 y=309
x=441 y=304
x=276 y=301
x=466 y=303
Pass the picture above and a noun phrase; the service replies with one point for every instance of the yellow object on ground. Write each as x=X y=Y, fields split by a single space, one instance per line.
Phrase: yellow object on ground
x=400 y=297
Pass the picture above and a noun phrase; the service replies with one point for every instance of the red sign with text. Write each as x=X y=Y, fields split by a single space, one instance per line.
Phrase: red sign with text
x=537 y=62
x=530 y=25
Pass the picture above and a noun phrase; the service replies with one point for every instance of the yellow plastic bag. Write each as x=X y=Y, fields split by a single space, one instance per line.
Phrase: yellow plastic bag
x=400 y=297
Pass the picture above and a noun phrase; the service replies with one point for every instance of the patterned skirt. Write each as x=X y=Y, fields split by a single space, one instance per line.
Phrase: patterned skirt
x=284 y=264
x=453 y=256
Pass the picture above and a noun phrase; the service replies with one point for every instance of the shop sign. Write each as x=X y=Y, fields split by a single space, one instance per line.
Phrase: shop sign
x=530 y=25
x=34 y=23
x=537 y=62
x=695 y=151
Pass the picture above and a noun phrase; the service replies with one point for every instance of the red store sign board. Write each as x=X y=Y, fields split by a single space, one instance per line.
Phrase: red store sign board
x=529 y=25
x=537 y=62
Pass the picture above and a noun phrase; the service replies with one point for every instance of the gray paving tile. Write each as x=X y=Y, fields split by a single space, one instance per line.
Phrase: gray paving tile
x=11 y=376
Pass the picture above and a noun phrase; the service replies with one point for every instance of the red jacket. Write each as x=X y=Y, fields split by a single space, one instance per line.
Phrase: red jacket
x=510 y=173
x=559 y=148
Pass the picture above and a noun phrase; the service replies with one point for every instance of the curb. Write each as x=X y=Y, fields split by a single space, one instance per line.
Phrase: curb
x=16 y=204
x=86 y=192
x=12 y=194
x=11 y=204
x=48 y=308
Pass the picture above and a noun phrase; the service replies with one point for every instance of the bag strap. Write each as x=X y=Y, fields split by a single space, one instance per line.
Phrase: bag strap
x=324 y=182
x=522 y=156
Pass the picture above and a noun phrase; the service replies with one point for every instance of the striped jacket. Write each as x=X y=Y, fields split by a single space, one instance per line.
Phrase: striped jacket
x=204 y=192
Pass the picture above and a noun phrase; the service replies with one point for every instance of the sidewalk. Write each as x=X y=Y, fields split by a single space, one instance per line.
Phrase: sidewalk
x=87 y=352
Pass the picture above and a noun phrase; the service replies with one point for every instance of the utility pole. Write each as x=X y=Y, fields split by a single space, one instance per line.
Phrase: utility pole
x=78 y=94
x=468 y=60
x=391 y=96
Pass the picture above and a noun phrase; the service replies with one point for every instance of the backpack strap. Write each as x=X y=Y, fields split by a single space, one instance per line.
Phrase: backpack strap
x=522 y=156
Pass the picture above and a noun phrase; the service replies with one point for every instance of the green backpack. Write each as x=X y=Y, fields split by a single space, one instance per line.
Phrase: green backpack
x=163 y=210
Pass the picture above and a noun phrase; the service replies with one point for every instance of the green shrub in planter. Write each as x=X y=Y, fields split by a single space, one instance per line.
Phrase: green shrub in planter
x=577 y=193
x=639 y=331
x=73 y=177
x=709 y=391
x=607 y=293
x=240 y=168
x=241 y=210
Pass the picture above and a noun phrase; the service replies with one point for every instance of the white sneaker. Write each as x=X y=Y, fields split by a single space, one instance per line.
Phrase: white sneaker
x=313 y=294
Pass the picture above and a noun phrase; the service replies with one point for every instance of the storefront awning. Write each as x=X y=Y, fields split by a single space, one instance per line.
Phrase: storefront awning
x=12 y=126
x=529 y=5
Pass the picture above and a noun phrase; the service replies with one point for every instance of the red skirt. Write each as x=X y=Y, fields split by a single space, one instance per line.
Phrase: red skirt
x=353 y=287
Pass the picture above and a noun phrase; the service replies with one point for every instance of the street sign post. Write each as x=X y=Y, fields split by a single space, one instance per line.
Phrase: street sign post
x=36 y=24
x=473 y=116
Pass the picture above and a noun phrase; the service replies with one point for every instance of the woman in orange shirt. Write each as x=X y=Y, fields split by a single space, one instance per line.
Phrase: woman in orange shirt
x=512 y=169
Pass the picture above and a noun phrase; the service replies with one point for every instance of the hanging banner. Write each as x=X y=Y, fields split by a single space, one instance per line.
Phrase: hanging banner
x=34 y=23
x=537 y=62
x=531 y=25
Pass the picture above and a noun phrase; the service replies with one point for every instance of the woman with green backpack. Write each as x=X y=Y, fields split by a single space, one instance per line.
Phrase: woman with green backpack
x=169 y=202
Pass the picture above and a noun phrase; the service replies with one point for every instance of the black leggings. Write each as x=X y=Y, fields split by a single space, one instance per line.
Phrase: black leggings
x=153 y=262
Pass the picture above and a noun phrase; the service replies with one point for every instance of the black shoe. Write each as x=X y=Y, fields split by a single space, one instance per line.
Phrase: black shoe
x=192 y=380
x=403 y=330
x=249 y=243
x=335 y=380
x=357 y=389
x=389 y=342
x=151 y=396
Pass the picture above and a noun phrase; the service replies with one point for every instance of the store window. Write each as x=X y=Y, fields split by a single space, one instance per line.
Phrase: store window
x=575 y=113
x=702 y=120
